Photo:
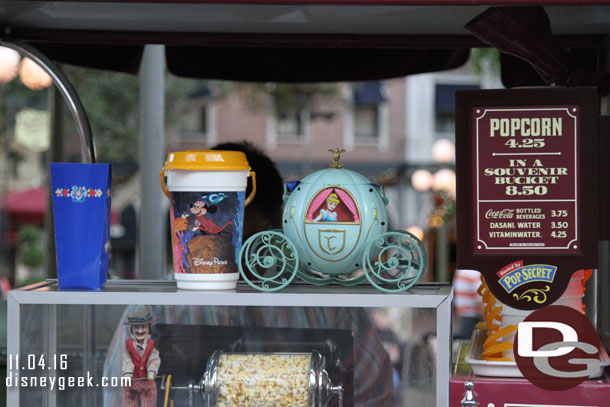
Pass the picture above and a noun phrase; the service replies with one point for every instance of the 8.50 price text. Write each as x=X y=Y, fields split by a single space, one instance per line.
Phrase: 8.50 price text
x=526 y=190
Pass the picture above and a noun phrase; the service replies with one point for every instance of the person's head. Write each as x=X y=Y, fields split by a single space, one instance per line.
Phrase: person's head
x=332 y=201
x=265 y=210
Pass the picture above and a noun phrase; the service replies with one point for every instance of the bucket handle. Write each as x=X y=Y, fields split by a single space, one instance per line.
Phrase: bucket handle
x=246 y=203
x=253 y=192
x=163 y=186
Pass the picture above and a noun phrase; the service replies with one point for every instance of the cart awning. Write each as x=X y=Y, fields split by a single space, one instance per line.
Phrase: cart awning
x=319 y=40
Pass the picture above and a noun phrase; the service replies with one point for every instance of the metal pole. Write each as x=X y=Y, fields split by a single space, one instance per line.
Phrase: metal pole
x=5 y=176
x=442 y=254
x=443 y=348
x=13 y=342
x=50 y=348
x=151 y=235
x=88 y=395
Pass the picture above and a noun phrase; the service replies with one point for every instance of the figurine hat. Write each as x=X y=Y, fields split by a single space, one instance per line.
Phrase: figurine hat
x=140 y=318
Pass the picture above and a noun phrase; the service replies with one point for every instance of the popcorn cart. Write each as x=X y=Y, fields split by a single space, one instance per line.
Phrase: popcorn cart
x=335 y=227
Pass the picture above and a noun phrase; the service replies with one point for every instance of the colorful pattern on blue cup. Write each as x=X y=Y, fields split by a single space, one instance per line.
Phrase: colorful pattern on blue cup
x=79 y=193
x=81 y=212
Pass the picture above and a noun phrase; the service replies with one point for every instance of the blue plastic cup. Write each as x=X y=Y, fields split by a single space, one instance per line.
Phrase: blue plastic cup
x=81 y=213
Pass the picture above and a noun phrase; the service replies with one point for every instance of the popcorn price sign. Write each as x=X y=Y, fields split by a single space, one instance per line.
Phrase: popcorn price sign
x=528 y=190
x=527 y=194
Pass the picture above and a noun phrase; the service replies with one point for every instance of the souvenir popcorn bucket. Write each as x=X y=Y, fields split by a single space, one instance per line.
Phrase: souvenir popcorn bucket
x=206 y=190
x=81 y=213
x=268 y=379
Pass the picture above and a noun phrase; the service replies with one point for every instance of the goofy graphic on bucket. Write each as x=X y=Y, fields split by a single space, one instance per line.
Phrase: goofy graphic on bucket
x=205 y=231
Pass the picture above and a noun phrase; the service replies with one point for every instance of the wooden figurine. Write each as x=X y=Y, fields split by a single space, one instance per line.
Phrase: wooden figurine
x=140 y=362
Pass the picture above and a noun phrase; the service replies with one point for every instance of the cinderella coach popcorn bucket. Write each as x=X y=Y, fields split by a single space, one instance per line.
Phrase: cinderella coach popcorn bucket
x=334 y=223
x=206 y=190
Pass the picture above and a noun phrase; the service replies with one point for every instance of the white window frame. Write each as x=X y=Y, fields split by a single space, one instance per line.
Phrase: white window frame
x=272 y=136
x=420 y=117
x=211 y=135
x=444 y=79
x=350 y=141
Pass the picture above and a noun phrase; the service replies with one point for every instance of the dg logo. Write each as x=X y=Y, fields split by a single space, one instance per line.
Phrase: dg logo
x=556 y=348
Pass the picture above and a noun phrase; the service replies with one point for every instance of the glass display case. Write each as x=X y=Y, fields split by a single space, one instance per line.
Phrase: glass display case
x=360 y=347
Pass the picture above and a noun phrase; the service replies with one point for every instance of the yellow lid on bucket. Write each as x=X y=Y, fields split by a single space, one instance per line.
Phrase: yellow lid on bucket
x=213 y=160
x=208 y=160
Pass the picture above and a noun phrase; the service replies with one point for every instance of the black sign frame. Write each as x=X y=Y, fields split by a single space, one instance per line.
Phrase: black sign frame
x=489 y=264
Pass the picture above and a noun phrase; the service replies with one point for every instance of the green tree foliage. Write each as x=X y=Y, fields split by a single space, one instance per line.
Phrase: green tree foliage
x=29 y=238
x=16 y=96
x=111 y=101
x=480 y=56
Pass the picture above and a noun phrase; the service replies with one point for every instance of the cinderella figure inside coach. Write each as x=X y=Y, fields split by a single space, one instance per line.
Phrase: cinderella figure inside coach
x=335 y=230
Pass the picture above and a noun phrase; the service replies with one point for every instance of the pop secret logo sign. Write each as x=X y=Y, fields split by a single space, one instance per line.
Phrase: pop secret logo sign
x=516 y=274
x=556 y=348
